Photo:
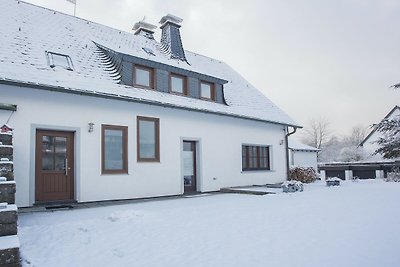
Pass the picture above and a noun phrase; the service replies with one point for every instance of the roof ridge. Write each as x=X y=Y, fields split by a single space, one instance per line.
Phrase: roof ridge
x=79 y=18
x=109 y=27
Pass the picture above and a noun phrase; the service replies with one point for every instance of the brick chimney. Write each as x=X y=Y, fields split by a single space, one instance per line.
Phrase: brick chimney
x=171 y=42
x=144 y=28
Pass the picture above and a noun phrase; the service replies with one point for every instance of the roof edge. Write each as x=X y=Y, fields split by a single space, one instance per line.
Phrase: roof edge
x=130 y=99
x=374 y=129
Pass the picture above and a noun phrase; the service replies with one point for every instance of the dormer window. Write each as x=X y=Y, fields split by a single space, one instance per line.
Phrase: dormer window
x=207 y=91
x=143 y=77
x=177 y=84
x=59 y=60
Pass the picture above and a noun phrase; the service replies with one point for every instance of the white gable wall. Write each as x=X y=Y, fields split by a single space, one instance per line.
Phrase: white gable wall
x=219 y=138
x=299 y=158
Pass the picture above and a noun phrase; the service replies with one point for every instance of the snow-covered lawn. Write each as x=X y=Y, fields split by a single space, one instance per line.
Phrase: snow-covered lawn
x=356 y=224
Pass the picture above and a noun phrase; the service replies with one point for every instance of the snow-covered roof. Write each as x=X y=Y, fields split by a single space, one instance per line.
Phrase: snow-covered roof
x=392 y=111
x=294 y=145
x=28 y=31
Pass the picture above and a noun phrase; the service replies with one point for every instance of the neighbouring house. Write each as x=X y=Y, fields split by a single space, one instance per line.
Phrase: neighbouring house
x=369 y=143
x=375 y=166
x=102 y=114
x=301 y=155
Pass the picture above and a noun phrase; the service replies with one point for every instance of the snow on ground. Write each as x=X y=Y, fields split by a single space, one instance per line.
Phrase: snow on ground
x=356 y=224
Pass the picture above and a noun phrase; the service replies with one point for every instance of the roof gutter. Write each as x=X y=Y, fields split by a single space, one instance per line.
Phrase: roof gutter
x=10 y=107
x=127 y=99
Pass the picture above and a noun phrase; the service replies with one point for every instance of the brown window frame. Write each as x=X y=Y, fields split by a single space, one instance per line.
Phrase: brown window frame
x=151 y=77
x=124 y=130
x=157 y=137
x=212 y=91
x=246 y=158
x=184 y=81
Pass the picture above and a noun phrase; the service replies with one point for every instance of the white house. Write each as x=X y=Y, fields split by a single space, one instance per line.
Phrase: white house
x=102 y=114
x=301 y=155
x=369 y=142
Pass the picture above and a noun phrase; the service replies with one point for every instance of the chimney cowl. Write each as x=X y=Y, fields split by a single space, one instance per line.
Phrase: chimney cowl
x=144 y=28
x=170 y=19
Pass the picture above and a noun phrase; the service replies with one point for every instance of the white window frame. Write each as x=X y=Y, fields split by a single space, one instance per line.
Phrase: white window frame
x=53 y=65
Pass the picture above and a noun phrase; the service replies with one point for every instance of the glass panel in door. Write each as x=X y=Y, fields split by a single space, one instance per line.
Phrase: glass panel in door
x=189 y=166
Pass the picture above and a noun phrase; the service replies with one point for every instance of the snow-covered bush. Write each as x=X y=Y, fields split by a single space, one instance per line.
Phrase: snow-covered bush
x=303 y=174
x=333 y=181
x=292 y=186
x=394 y=175
x=352 y=153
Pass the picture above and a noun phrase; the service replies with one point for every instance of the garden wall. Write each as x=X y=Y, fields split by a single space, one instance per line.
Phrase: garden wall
x=9 y=242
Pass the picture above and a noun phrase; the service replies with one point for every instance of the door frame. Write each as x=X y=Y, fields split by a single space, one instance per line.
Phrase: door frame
x=32 y=167
x=198 y=172
x=71 y=155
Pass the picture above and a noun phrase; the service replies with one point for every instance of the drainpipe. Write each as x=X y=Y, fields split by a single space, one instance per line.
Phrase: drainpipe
x=287 y=150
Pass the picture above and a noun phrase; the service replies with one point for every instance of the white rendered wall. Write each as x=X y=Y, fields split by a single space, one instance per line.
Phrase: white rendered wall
x=303 y=159
x=219 y=139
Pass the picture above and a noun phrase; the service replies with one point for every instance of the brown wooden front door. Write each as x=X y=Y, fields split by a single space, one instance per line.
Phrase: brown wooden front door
x=54 y=166
x=189 y=166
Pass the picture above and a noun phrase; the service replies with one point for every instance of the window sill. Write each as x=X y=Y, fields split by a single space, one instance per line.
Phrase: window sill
x=148 y=161
x=252 y=171
x=143 y=87
x=208 y=99
x=177 y=93
x=115 y=173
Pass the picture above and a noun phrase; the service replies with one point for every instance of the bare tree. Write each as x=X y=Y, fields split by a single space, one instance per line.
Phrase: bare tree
x=356 y=136
x=317 y=133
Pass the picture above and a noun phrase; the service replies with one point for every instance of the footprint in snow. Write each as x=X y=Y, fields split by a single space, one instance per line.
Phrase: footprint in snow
x=83 y=229
x=85 y=239
x=113 y=218
x=118 y=253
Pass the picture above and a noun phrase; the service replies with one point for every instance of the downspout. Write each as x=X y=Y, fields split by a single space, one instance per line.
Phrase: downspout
x=287 y=150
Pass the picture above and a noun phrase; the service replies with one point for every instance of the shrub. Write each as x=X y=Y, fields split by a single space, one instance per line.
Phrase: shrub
x=394 y=175
x=303 y=174
x=292 y=186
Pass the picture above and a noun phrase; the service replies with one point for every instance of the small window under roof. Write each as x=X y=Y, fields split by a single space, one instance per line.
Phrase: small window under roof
x=59 y=60
x=148 y=51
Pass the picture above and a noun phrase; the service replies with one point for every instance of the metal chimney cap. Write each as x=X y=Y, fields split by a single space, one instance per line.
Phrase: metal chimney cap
x=171 y=18
x=141 y=25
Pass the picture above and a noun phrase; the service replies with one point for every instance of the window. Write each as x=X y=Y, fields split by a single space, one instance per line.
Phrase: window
x=207 y=91
x=54 y=153
x=143 y=77
x=177 y=84
x=148 y=51
x=148 y=139
x=59 y=60
x=255 y=158
x=114 y=149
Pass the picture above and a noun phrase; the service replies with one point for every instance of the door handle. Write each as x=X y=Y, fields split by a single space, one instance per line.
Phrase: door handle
x=66 y=167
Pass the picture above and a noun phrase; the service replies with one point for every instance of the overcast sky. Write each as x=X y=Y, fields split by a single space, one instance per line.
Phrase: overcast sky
x=331 y=59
